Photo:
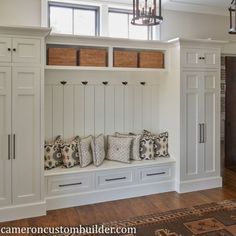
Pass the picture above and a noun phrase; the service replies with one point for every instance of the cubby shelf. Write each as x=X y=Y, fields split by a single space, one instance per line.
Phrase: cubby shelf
x=89 y=68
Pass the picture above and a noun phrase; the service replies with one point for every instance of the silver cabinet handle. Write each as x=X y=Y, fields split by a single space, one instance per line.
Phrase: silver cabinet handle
x=65 y=185
x=9 y=147
x=14 y=146
x=154 y=174
x=115 y=179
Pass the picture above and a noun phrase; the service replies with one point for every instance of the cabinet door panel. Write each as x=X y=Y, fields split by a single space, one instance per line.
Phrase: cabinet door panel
x=190 y=57
x=212 y=124
x=5 y=130
x=26 y=50
x=5 y=55
x=211 y=58
x=26 y=127
x=192 y=119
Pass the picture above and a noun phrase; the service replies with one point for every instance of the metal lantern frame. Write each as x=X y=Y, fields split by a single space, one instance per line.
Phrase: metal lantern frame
x=232 y=14
x=146 y=16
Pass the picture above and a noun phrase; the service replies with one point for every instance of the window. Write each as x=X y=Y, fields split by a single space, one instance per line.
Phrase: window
x=120 y=26
x=74 y=19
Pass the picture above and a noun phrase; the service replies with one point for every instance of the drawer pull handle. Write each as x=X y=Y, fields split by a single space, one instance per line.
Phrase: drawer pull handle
x=153 y=174
x=65 y=185
x=115 y=179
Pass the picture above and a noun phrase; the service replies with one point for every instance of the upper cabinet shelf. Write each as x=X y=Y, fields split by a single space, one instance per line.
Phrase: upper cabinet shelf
x=105 y=54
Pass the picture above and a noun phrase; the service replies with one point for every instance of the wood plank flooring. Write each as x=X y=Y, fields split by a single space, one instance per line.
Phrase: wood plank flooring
x=123 y=209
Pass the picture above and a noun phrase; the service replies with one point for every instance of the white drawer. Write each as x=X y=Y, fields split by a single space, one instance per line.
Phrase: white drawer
x=154 y=174
x=113 y=179
x=66 y=184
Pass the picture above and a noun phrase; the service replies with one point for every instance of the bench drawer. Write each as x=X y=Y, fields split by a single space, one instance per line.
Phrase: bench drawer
x=154 y=174
x=66 y=184
x=113 y=179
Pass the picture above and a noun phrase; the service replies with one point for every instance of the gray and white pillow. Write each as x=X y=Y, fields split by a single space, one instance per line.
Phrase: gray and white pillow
x=52 y=153
x=135 y=145
x=85 y=151
x=119 y=148
x=70 y=154
x=160 y=143
x=147 y=148
x=98 y=149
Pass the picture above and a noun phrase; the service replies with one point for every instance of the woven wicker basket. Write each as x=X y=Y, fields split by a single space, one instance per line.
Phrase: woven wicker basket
x=125 y=58
x=151 y=59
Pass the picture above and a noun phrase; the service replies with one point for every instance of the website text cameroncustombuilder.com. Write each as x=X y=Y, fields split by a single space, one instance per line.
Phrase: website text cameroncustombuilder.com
x=94 y=229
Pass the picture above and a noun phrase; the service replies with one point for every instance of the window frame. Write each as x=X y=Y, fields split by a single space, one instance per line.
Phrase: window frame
x=72 y=6
x=130 y=12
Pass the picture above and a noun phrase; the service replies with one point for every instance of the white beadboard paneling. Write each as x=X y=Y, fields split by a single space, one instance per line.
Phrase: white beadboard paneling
x=99 y=109
x=48 y=112
x=79 y=91
x=138 y=108
x=119 y=108
x=57 y=121
x=109 y=109
x=129 y=108
x=68 y=104
x=76 y=109
x=147 y=107
x=89 y=110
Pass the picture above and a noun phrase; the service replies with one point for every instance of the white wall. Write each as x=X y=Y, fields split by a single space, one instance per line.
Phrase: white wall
x=20 y=12
x=194 y=25
x=176 y=24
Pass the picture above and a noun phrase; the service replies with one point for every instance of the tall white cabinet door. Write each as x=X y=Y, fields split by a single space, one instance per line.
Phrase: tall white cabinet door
x=26 y=128
x=192 y=118
x=5 y=131
x=26 y=50
x=5 y=49
x=211 y=156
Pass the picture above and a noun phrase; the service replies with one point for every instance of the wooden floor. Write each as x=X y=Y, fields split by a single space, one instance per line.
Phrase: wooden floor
x=124 y=209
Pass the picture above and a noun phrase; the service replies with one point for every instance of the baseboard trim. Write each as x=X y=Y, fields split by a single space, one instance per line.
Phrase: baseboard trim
x=16 y=212
x=79 y=199
x=198 y=184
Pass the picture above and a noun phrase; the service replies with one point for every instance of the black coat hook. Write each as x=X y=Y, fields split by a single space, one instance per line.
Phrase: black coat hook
x=84 y=82
x=142 y=83
x=105 y=83
x=63 y=82
x=124 y=83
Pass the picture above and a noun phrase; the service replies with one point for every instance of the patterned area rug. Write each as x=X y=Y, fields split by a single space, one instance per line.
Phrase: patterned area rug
x=214 y=219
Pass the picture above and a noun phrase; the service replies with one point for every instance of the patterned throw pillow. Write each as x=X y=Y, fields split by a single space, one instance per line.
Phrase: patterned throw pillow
x=98 y=149
x=119 y=148
x=147 y=147
x=52 y=153
x=85 y=152
x=135 y=155
x=70 y=154
x=160 y=143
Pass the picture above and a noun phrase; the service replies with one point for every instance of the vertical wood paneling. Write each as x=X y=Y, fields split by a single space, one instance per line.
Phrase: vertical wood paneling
x=119 y=108
x=57 y=122
x=89 y=110
x=79 y=123
x=155 y=108
x=129 y=108
x=48 y=112
x=99 y=110
x=138 y=108
x=109 y=109
x=147 y=107
x=68 y=110
x=94 y=109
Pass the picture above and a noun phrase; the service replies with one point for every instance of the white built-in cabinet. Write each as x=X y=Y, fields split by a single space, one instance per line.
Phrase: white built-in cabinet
x=20 y=122
x=200 y=117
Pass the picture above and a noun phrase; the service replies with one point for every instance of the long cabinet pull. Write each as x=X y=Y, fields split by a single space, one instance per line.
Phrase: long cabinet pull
x=204 y=133
x=65 y=185
x=108 y=180
x=200 y=133
x=9 y=147
x=14 y=146
x=153 y=174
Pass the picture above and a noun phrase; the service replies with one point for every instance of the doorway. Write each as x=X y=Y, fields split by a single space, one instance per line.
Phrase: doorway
x=230 y=113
